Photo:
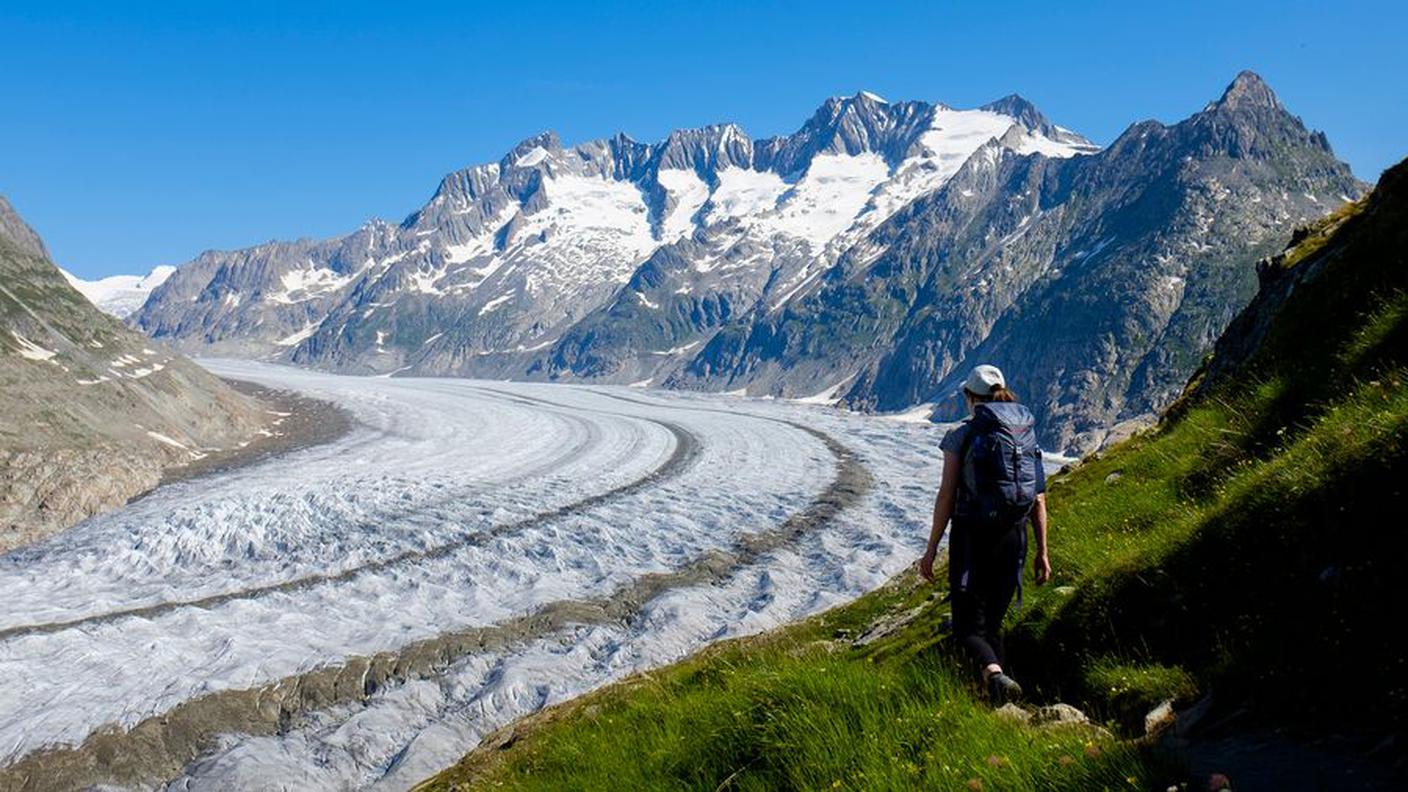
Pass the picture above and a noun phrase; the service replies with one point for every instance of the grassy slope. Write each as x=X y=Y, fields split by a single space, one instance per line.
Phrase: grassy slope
x=1262 y=515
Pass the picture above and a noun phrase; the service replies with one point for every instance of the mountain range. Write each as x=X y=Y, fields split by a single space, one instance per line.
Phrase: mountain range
x=868 y=259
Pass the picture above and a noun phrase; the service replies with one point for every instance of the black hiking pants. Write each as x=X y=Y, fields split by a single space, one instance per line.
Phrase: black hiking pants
x=984 y=570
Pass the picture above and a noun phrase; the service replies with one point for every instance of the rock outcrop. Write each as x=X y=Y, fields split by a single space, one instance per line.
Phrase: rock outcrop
x=92 y=411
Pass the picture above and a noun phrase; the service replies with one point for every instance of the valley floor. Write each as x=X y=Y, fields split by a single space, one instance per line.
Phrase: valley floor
x=361 y=612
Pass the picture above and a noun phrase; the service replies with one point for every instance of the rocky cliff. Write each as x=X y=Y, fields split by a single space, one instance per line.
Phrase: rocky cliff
x=1097 y=282
x=92 y=411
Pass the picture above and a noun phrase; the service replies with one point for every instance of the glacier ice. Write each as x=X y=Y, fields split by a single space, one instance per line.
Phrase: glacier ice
x=424 y=520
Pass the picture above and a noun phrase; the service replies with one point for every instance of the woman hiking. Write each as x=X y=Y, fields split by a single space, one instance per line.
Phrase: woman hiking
x=993 y=485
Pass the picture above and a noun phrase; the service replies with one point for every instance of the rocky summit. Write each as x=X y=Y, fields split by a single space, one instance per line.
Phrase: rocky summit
x=867 y=259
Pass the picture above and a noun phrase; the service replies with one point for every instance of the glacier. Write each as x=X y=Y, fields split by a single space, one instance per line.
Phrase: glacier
x=453 y=505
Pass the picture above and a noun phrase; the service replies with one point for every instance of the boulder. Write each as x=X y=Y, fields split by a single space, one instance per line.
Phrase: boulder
x=1013 y=713
x=1160 y=717
x=888 y=624
x=1058 y=714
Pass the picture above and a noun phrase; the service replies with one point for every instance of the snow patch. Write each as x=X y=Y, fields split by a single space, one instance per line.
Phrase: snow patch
x=32 y=351
x=301 y=285
x=827 y=199
x=828 y=396
x=744 y=193
x=423 y=282
x=161 y=438
x=689 y=193
x=921 y=414
x=494 y=304
x=532 y=157
x=679 y=350
x=298 y=336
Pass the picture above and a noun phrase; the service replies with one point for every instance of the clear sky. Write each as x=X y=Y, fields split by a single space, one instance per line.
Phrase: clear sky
x=140 y=134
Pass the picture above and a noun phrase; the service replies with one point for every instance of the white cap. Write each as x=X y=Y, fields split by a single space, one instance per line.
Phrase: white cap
x=983 y=379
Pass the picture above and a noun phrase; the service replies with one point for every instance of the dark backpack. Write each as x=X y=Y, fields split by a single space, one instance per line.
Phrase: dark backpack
x=1001 y=451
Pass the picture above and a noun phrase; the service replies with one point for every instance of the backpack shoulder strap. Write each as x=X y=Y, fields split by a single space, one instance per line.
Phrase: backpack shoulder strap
x=976 y=424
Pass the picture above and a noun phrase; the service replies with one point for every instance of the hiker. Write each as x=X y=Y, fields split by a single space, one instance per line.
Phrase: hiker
x=993 y=485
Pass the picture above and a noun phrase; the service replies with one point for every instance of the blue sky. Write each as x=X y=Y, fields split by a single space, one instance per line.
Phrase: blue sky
x=139 y=134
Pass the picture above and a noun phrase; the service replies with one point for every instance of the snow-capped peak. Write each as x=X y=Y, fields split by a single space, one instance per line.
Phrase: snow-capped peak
x=531 y=243
x=120 y=295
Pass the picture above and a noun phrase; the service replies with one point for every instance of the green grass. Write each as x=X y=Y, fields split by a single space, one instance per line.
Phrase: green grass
x=795 y=711
x=1131 y=689
x=1248 y=546
x=1264 y=516
x=1312 y=238
x=1292 y=548
x=768 y=720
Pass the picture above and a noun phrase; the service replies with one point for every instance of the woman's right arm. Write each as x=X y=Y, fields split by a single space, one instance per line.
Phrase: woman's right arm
x=943 y=509
x=1041 y=564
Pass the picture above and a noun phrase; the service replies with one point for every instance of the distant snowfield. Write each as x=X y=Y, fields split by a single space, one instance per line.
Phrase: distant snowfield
x=449 y=507
x=120 y=295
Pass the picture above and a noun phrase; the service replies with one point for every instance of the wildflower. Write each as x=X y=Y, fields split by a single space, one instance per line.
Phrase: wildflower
x=997 y=761
x=1092 y=751
x=1066 y=761
x=975 y=784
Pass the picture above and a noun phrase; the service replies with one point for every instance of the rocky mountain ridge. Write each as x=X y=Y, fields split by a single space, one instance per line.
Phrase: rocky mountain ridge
x=93 y=411
x=1098 y=282
x=506 y=256
x=867 y=259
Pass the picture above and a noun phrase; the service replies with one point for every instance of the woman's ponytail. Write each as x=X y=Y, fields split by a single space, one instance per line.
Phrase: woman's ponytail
x=1000 y=393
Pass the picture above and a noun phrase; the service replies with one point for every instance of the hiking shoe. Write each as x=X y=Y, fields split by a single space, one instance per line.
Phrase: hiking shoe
x=1003 y=689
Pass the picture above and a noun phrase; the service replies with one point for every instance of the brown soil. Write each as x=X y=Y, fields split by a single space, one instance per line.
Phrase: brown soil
x=298 y=422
